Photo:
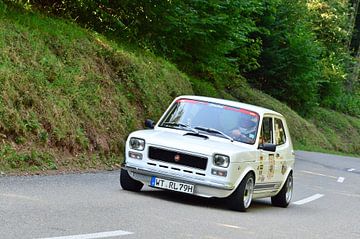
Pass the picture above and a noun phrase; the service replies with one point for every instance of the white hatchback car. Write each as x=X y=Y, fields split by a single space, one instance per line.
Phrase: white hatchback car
x=213 y=148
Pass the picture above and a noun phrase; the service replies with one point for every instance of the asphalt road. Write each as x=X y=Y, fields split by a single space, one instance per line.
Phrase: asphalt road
x=326 y=204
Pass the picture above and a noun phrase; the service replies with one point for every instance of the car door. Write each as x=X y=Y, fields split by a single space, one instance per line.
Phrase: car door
x=265 y=169
x=282 y=148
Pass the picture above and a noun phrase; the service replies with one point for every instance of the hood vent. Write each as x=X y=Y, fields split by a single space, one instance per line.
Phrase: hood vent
x=197 y=135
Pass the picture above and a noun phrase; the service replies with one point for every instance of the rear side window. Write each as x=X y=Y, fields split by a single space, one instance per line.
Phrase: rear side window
x=280 y=136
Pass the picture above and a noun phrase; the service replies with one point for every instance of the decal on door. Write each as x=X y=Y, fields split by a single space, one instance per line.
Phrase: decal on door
x=260 y=169
x=271 y=166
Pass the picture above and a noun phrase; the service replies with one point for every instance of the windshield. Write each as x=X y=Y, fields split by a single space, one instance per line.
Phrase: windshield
x=213 y=119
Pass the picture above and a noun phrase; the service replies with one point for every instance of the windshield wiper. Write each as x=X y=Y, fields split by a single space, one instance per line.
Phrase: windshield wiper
x=182 y=126
x=211 y=130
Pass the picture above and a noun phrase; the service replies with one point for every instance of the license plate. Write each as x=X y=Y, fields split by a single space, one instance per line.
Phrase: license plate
x=171 y=185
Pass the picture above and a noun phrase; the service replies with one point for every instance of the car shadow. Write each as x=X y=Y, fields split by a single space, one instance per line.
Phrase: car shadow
x=187 y=199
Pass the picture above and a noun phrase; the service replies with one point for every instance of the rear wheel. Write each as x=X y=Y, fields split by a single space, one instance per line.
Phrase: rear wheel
x=283 y=198
x=241 y=198
x=128 y=183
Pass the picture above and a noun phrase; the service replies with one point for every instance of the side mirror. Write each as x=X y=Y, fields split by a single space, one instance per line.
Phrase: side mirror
x=149 y=124
x=268 y=147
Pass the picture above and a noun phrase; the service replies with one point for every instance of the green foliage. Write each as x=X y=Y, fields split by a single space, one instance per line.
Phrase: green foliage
x=288 y=63
x=35 y=160
x=342 y=131
x=204 y=38
x=204 y=88
x=349 y=104
x=281 y=46
x=331 y=23
x=70 y=89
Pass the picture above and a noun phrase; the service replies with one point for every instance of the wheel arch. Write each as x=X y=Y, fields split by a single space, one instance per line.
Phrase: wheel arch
x=245 y=172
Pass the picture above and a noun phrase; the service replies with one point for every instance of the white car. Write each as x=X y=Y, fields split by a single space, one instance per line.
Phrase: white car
x=213 y=148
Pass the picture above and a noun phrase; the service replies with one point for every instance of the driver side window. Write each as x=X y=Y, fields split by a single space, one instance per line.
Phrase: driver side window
x=266 y=135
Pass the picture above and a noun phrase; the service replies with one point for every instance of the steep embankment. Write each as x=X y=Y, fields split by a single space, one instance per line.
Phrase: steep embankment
x=69 y=97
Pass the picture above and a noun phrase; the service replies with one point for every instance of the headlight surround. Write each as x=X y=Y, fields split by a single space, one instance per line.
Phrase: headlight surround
x=221 y=160
x=137 y=144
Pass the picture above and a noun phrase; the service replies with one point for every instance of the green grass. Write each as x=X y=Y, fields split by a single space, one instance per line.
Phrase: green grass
x=69 y=98
x=72 y=94
x=342 y=131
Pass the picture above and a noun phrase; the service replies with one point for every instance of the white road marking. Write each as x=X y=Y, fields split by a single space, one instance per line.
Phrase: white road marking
x=229 y=226
x=340 y=179
x=351 y=169
x=93 y=235
x=318 y=174
x=308 y=199
x=244 y=230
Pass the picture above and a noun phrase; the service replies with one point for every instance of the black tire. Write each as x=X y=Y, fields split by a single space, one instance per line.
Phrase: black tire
x=241 y=198
x=128 y=183
x=283 y=198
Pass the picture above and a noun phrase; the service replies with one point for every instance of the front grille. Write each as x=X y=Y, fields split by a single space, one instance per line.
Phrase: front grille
x=184 y=159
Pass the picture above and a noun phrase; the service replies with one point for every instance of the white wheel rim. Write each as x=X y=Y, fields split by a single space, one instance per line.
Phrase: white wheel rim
x=248 y=192
x=289 y=188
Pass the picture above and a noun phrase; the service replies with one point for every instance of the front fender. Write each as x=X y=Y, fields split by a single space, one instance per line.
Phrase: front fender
x=246 y=168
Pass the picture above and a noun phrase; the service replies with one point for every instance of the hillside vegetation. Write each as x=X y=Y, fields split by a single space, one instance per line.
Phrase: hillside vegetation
x=70 y=96
x=305 y=53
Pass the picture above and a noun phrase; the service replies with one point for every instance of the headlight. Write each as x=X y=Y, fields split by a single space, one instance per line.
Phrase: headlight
x=137 y=144
x=221 y=160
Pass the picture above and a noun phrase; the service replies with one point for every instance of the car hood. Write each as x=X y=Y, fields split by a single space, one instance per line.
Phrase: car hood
x=185 y=141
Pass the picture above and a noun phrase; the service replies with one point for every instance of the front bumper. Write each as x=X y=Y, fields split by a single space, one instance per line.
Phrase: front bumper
x=203 y=187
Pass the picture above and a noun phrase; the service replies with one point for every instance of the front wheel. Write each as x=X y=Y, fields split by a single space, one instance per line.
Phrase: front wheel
x=283 y=198
x=128 y=183
x=241 y=198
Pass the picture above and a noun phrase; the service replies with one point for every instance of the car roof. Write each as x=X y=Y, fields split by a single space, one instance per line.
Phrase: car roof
x=257 y=109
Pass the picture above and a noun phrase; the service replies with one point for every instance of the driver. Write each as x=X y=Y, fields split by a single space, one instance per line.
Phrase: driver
x=246 y=130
